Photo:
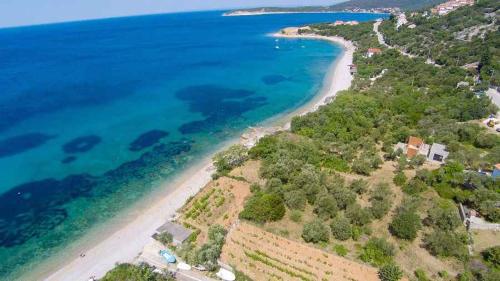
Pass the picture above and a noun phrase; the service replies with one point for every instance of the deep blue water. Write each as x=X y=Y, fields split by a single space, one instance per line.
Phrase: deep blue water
x=95 y=114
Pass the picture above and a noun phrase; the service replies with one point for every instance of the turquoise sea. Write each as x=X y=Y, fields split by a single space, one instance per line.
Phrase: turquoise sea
x=95 y=115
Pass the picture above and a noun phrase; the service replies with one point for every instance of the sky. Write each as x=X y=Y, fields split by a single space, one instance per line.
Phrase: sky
x=30 y=12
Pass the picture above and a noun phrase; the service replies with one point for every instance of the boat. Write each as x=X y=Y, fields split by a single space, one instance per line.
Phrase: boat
x=169 y=257
x=276 y=47
x=225 y=275
x=183 y=266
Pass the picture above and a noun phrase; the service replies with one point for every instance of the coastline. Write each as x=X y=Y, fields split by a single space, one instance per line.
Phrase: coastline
x=125 y=243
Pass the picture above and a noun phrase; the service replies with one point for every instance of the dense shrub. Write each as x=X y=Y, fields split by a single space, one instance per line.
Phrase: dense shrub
x=377 y=251
x=263 y=207
x=399 y=179
x=296 y=199
x=446 y=243
x=165 y=238
x=130 y=272
x=341 y=228
x=357 y=215
x=315 y=231
x=326 y=206
x=405 y=225
x=492 y=256
x=390 y=272
x=446 y=219
x=344 y=197
x=232 y=157
x=210 y=252
x=381 y=201
x=359 y=186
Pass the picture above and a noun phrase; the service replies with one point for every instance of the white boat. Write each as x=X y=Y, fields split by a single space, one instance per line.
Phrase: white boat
x=226 y=275
x=276 y=47
x=183 y=266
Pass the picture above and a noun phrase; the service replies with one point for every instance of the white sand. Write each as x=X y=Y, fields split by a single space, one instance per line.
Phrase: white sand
x=125 y=244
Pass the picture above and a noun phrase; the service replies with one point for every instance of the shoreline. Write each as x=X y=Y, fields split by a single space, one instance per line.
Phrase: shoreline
x=126 y=242
x=263 y=13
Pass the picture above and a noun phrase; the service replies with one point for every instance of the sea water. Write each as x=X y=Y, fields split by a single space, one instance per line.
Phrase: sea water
x=95 y=115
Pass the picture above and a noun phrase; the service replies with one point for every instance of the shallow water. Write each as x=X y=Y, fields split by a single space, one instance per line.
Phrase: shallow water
x=94 y=115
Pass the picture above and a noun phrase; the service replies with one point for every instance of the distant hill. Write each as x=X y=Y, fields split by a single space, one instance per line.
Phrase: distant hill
x=402 y=4
x=348 y=5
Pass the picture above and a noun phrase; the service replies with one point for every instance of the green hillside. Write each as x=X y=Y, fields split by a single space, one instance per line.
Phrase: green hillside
x=467 y=35
x=353 y=4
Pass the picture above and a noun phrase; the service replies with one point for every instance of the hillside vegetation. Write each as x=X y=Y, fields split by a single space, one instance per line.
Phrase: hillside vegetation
x=353 y=4
x=337 y=175
x=467 y=35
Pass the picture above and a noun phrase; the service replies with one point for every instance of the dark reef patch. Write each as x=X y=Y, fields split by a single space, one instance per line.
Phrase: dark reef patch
x=273 y=79
x=81 y=144
x=35 y=209
x=217 y=104
x=147 y=139
x=33 y=102
x=19 y=144
x=68 y=160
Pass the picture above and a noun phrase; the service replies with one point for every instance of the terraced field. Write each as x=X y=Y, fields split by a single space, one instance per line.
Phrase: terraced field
x=264 y=256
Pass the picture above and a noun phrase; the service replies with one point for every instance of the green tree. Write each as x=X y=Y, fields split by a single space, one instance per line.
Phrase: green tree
x=326 y=206
x=341 y=228
x=405 y=225
x=130 y=272
x=315 y=231
x=263 y=207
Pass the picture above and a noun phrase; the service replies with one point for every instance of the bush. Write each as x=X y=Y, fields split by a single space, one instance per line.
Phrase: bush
x=390 y=272
x=296 y=216
x=142 y=272
x=326 y=207
x=446 y=244
x=359 y=186
x=296 y=199
x=414 y=186
x=380 y=200
x=210 y=252
x=341 y=228
x=377 y=251
x=400 y=179
x=344 y=197
x=421 y=276
x=358 y=216
x=446 y=219
x=165 y=238
x=405 y=225
x=315 y=232
x=228 y=159
x=340 y=250
x=263 y=207
x=492 y=256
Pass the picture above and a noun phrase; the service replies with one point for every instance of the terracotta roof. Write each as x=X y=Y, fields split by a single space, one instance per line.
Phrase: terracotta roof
x=374 y=50
x=411 y=152
x=497 y=166
x=414 y=141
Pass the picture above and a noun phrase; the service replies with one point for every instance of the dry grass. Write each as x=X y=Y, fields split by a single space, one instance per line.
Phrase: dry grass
x=484 y=239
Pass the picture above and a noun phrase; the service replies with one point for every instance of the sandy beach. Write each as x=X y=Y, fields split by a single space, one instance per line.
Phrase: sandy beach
x=126 y=243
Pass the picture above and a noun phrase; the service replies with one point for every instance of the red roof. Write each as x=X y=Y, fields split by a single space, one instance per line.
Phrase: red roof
x=374 y=50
